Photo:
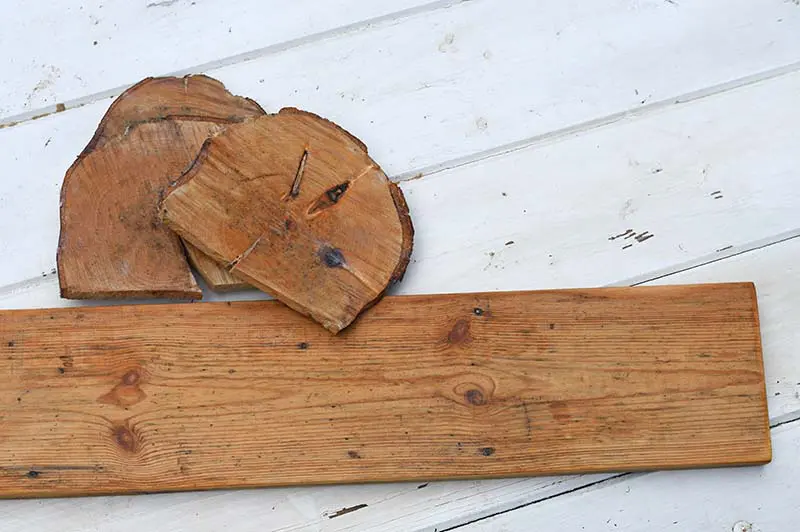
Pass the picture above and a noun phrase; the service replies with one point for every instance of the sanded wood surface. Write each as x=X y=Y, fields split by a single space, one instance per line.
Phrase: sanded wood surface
x=176 y=397
x=112 y=243
x=293 y=204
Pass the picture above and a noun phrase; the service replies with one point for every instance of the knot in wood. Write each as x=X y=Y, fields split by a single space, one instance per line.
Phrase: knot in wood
x=125 y=439
x=459 y=334
x=475 y=397
x=131 y=378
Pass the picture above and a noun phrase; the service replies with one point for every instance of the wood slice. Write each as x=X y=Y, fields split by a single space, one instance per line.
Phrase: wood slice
x=295 y=206
x=112 y=242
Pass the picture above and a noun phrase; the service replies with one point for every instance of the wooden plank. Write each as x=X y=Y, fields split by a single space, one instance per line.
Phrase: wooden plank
x=65 y=52
x=736 y=500
x=171 y=397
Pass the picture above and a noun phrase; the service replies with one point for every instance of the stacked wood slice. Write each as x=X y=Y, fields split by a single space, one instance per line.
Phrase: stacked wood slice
x=181 y=172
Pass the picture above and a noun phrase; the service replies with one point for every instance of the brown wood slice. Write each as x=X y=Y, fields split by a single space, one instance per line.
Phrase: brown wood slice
x=295 y=206
x=112 y=242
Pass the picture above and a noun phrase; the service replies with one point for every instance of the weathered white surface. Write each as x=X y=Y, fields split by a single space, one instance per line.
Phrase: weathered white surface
x=71 y=50
x=400 y=507
x=578 y=97
x=756 y=499
x=660 y=172
x=425 y=102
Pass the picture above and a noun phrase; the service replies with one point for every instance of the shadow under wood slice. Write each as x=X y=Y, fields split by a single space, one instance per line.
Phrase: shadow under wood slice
x=296 y=207
x=112 y=242
x=145 y=398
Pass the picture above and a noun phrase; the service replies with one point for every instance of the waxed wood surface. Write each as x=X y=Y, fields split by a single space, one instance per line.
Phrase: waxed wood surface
x=197 y=396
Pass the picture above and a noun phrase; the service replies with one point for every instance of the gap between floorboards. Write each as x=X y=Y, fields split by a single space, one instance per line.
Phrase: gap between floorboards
x=34 y=282
x=596 y=123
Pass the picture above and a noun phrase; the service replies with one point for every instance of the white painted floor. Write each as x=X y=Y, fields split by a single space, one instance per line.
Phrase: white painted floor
x=525 y=135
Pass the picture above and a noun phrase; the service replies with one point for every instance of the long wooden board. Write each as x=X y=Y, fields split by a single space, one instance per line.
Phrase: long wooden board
x=213 y=395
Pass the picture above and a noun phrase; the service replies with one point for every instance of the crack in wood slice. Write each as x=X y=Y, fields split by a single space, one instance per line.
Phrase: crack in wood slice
x=296 y=206
x=112 y=243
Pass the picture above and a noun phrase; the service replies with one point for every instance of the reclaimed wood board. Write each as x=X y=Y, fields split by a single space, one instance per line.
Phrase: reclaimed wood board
x=147 y=398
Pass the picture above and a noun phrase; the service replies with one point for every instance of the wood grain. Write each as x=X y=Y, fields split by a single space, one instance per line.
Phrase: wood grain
x=179 y=397
x=293 y=204
x=112 y=243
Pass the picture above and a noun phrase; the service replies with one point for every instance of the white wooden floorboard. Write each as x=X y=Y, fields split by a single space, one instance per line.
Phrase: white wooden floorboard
x=423 y=106
x=695 y=177
x=756 y=499
x=66 y=50
x=692 y=175
x=397 y=507
x=426 y=90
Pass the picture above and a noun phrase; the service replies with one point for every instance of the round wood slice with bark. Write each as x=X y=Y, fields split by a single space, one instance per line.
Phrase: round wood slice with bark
x=295 y=206
x=112 y=243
